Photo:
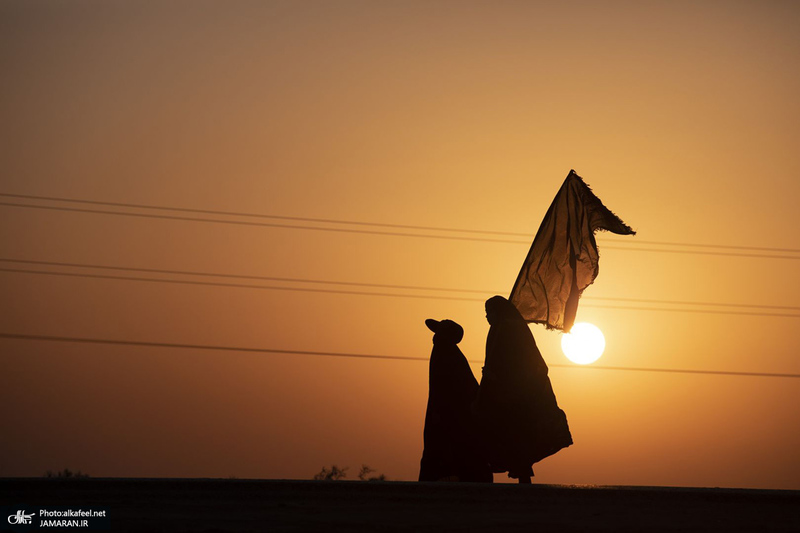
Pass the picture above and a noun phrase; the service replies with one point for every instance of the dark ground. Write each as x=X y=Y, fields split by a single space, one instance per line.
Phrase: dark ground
x=220 y=505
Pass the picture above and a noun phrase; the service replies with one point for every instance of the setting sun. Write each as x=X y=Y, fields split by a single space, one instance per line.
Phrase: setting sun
x=584 y=344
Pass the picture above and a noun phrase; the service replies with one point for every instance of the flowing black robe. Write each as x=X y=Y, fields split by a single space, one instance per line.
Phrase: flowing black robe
x=452 y=450
x=516 y=406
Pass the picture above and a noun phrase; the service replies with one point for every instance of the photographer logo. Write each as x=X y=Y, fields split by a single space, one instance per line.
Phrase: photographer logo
x=20 y=518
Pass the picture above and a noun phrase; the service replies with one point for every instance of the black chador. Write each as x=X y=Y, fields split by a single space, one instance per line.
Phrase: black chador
x=452 y=451
x=516 y=406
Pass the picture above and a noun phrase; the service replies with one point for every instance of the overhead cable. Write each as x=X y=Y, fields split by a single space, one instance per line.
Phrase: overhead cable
x=376 y=224
x=363 y=293
x=363 y=284
x=207 y=347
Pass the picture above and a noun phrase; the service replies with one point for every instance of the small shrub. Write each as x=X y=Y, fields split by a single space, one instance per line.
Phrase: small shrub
x=364 y=474
x=66 y=473
x=334 y=474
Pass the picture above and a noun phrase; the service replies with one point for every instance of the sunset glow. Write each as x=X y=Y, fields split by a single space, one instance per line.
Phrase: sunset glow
x=584 y=344
x=322 y=176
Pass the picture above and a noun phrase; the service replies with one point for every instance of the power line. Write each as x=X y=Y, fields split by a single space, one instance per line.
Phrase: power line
x=261 y=215
x=698 y=245
x=362 y=293
x=361 y=223
x=701 y=252
x=685 y=371
x=701 y=311
x=238 y=285
x=261 y=224
x=361 y=284
x=374 y=224
x=242 y=276
x=201 y=347
x=686 y=302
x=83 y=340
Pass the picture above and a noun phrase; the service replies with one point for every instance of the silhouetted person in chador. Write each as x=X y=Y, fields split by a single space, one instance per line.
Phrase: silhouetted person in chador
x=452 y=451
x=516 y=406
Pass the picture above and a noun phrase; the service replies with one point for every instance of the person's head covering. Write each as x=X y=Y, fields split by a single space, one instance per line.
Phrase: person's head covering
x=498 y=308
x=445 y=331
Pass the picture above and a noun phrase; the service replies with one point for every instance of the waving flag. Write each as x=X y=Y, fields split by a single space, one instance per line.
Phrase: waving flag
x=563 y=259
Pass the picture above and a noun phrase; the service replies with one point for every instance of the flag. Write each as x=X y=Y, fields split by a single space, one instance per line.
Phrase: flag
x=563 y=259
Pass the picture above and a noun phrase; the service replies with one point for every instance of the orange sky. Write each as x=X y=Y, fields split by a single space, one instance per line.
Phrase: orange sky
x=682 y=116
